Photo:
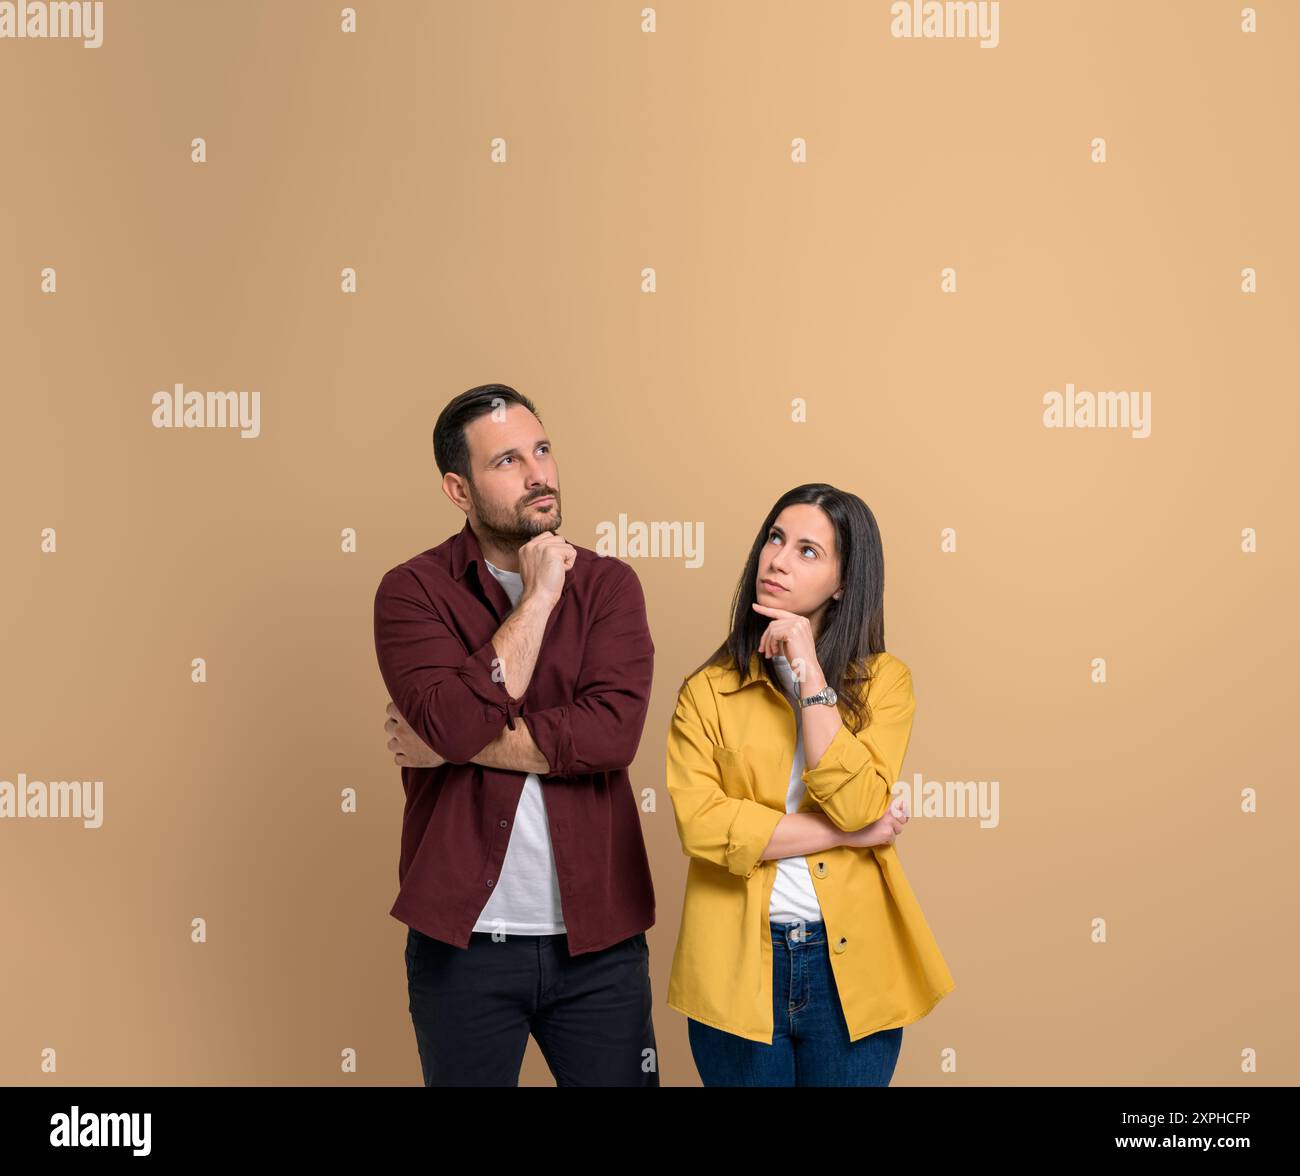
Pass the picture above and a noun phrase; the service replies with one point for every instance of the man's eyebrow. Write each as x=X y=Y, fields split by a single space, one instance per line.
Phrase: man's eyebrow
x=810 y=542
x=496 y=457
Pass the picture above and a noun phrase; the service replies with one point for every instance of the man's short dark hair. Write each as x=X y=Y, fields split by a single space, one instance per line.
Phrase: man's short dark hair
x=450 y=449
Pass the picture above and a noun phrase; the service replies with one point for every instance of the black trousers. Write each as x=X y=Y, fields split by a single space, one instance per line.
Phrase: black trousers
x=473 y=1009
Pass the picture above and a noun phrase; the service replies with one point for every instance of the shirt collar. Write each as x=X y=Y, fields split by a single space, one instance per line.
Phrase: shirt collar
x=465 y=550
x=730 y=681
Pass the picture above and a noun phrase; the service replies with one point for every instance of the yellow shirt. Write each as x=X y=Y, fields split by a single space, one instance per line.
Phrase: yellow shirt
x=730 y=751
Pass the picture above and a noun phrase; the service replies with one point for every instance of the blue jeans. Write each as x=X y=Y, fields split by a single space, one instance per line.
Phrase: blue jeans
x=810 y=1039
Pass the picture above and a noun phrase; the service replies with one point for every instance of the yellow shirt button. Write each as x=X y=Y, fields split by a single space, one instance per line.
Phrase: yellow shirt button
x=821 y=869
x=841 y=944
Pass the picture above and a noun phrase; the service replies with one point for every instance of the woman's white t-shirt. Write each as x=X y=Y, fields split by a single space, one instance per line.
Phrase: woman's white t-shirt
x=793 y=898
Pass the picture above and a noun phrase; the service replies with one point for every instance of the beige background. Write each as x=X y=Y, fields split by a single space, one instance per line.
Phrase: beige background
x=775 y=280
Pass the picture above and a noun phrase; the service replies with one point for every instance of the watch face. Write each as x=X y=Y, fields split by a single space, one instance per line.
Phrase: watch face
x=831 y=696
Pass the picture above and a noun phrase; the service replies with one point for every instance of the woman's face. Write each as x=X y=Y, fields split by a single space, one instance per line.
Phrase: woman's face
x=798 y=565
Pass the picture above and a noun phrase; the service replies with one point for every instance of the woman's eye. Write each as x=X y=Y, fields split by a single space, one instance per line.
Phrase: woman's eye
x=775 y=538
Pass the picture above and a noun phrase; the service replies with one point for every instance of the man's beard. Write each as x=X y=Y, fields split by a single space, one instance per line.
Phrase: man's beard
x=514 y=527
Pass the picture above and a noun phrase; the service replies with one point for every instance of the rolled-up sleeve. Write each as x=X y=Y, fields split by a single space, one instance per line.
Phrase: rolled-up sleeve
x=729 y=831
x=455 y=701
x=855 y=776
x=600 y=729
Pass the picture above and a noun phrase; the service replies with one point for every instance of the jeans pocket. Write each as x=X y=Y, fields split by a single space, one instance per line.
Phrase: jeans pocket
x=414 y=953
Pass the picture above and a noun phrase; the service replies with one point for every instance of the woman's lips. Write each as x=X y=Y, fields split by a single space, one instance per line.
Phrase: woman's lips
x=771 y=586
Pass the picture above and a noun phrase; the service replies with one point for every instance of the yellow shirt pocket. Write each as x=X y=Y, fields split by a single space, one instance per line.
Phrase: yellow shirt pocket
x=735 y=771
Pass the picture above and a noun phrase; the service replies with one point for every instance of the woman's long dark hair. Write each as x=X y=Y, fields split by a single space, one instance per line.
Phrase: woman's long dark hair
x=853 y=627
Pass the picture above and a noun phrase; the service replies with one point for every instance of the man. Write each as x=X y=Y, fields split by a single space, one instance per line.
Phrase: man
x=519 y=668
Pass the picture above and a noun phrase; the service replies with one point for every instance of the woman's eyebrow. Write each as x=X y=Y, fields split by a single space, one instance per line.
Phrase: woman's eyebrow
x=810 y=542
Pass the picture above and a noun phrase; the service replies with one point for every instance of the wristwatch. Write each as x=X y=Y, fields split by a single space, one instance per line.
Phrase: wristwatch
x=826 y=695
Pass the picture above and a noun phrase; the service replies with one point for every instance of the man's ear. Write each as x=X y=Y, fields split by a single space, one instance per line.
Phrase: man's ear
x=453 y=486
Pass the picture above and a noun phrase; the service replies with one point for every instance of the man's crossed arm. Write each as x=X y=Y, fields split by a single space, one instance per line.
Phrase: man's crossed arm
x=513 y=751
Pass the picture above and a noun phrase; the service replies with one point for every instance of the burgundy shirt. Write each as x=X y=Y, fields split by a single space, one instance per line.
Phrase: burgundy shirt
x=585 y=707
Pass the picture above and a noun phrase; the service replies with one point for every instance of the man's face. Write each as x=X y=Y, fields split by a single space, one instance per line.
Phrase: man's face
x=515 y=484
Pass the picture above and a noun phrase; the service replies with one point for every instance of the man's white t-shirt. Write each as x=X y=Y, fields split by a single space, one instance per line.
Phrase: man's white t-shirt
x=526 y=897
x=793 y=897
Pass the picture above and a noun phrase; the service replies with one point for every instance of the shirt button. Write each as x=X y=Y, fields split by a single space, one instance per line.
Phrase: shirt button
x=841 y=944
x=821 y=870
x=491 y=880
x=503 y=822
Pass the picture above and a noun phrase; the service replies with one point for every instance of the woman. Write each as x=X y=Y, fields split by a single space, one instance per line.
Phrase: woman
x=802 y=951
